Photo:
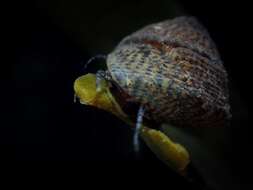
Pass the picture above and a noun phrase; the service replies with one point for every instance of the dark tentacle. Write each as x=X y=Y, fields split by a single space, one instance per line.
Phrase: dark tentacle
x=99 y=56
x=140 y=115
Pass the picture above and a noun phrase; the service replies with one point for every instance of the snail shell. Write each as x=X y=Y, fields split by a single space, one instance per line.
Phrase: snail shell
x=174 y=69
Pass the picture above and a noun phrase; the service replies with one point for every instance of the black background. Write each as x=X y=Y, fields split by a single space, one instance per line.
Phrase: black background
x=51 y=40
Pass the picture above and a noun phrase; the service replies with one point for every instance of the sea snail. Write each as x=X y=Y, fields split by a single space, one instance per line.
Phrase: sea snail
x=169 y=72
x=174 y=71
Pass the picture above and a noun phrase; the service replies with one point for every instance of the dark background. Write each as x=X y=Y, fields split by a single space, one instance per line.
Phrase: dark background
x=51 y=40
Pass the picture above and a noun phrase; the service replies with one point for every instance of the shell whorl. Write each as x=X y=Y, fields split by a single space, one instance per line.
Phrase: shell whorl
x=174 y=68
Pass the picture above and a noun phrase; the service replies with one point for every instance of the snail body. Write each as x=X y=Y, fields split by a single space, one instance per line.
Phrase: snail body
x=173 y=68
x=167 y=72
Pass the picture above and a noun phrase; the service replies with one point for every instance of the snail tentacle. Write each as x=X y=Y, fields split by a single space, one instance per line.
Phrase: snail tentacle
x=140 y=115
x=99 y=56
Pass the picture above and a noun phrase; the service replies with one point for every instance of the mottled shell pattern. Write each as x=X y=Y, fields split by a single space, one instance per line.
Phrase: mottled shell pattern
x=174 y=69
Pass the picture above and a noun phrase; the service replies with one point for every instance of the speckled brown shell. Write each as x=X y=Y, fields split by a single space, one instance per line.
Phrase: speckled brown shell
x=174 y=69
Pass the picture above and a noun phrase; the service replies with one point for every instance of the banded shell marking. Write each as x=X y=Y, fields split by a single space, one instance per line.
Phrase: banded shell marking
x=174 y=69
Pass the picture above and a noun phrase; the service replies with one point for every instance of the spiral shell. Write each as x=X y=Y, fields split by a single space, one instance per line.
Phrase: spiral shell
x=174 y=69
